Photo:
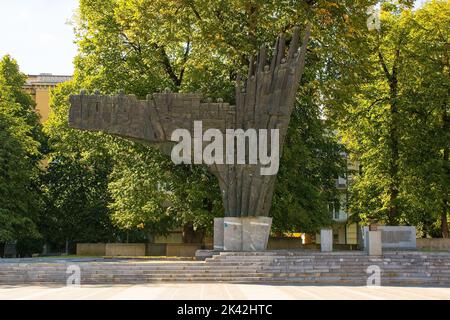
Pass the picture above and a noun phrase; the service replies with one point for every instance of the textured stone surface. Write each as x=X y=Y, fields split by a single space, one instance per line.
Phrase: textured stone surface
x=236 y=234
x=374 y=243
x=125 y=249
x=232 y=234
x=255 y=233
x=393 y=237
x=326 y=240
x=218 y=234
x=264 y=101
x=281 y=266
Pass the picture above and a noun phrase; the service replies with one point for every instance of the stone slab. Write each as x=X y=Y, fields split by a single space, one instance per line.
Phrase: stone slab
x=393 y=237
x=125 y=249
x=326 y=240
x=218 y=234
x=182 y=249
x=91 y=249
x=255 y=233
x=232 y=234
x=374 y=243
x=433 y=244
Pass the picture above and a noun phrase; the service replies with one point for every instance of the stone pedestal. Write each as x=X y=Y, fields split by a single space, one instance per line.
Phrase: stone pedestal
x=326 y=240
x=232 y=234
x=374 y=243
x=241 y=234
x=218 y=234
x=255 y=233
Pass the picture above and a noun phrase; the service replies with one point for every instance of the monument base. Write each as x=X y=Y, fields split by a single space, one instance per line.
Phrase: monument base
x=241 y=234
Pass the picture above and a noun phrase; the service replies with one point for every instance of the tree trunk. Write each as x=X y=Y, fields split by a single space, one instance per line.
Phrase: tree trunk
x=446 y=128
x=445 y=207
x=393 y=163
x=393 y=187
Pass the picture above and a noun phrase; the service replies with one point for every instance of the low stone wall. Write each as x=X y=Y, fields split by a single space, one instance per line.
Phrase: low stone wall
x=125 y=249
x=433 y=244
x=182 y=249
x=284 y=243
x=172 y=249
x=140 y=249
x=91 y=249
x=155 y=249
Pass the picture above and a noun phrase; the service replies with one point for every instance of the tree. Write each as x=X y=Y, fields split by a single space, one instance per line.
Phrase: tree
x=12 y=82
x=75 y=185
x=381 y=100
x=144 y=46
x=19 y=155
x=427 y=137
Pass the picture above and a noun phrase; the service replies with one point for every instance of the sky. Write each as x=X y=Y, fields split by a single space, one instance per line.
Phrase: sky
x=37 y=34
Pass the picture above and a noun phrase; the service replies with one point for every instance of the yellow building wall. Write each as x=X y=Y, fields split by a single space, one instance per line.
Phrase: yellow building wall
x=42 y=98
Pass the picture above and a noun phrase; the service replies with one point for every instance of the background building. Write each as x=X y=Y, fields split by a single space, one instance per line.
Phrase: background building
x=344 y=231
x=39 y=86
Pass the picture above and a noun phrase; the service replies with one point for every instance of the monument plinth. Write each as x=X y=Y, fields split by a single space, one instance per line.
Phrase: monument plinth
x=264 y=101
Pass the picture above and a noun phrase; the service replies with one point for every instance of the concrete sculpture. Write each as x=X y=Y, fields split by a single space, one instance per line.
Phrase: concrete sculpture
x=264 y=101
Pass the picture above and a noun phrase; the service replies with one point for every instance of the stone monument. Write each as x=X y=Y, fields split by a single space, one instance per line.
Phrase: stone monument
x=392 y=237
x=264 y=101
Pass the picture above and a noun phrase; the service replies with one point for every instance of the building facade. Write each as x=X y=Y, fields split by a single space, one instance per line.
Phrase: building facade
x=344 y=231
x=39 y=86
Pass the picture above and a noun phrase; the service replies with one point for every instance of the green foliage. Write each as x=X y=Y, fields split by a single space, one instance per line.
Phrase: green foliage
x=389 y=100
x=19 y=154
x=144 y=46
x=75 y=186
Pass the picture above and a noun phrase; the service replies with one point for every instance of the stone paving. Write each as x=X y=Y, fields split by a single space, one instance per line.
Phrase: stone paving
x=222 y=291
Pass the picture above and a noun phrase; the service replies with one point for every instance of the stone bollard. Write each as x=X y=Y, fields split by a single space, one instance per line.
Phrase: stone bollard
x=326 y=240
x=374 y=243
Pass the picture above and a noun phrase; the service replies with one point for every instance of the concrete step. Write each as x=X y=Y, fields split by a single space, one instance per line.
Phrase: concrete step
x=337 y=268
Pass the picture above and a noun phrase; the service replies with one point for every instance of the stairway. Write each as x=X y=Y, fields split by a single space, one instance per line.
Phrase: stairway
x=281 y=267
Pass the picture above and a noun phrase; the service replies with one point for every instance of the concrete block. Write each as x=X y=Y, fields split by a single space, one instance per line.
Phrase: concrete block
x=255 y=233
x=125 y=249
x=375 y=243
x=433 y=244
x=218 y=234
x=91 y=249
x=232 y=234
x=155 y=249
x=393 y=237
x=182 y=249
x=326 y=240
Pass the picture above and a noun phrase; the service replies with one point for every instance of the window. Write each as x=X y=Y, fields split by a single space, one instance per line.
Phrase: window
x=334 y=208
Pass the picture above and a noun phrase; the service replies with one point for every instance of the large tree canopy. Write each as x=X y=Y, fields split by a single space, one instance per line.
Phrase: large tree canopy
x=389 y=100
x=19 y=156
x=379 y=96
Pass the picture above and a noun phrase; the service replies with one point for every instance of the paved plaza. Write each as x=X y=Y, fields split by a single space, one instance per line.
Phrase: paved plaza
x=213 y=291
